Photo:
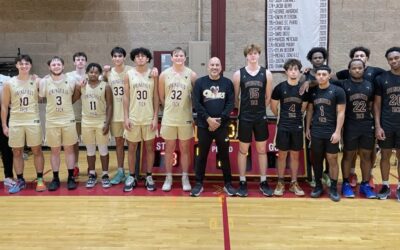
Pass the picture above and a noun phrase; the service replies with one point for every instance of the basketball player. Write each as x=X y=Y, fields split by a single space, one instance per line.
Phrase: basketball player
x=289 y=133
x=80 y=60
x=20 y=94
x=387 y=118
x=115 y=78
x=325 y=117
x=141 y=104
x=96 y=118
x=213 y=97
x=358 y=132
x=254 y=84
x=175 y=88
x=59 y=89
x=317 y=56
x=370 y=73
x=6 y=151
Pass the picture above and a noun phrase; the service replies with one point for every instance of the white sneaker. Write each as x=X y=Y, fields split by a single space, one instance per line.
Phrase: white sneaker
x=9 y=182
x=167 y=184
x=185 y=183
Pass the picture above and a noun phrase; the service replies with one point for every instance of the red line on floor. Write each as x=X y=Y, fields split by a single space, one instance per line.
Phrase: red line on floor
x=225 y=222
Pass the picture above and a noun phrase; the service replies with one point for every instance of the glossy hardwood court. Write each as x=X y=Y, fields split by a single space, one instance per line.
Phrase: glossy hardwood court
x=175 y=221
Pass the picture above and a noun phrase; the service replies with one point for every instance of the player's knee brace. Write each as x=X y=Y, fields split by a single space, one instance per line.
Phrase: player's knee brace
x=91 y=150
x=103 y=150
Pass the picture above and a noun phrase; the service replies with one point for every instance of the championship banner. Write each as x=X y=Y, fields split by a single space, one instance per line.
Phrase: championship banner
x=293 y=27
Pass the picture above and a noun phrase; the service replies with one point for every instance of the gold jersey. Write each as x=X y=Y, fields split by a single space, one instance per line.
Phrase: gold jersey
x=94 y=105
x=116 y=81
x=24 y=97
x=59 y=111
x=141 y=89
x=178 y=101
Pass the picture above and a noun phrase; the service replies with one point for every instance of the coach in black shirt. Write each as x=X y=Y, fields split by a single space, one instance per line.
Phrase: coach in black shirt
x=213 y=98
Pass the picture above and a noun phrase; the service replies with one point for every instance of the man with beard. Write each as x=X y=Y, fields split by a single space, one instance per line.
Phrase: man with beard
x=58 y=89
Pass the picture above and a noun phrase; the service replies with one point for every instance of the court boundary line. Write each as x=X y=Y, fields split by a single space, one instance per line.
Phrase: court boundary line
x=225 y=222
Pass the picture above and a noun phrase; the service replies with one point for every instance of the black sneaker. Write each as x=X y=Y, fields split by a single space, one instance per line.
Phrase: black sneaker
x=242 y=191
x=71 y=183
x=229 y=189
x=384 y=193
x=317 y=192
x=54 y=185
x=196 y=190
x=265 y=189
x=334 y=195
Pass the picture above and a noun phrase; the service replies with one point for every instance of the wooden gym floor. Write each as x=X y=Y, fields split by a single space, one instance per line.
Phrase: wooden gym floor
x=141 y=220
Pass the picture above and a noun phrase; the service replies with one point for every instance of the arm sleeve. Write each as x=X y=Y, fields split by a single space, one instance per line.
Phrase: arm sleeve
x=276 y=93
x=340 y=96
x=377 y=86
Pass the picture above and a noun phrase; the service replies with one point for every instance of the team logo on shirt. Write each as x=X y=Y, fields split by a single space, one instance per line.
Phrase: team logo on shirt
x=213 y=93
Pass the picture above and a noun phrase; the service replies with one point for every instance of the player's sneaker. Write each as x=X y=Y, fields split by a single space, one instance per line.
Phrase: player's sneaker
x=54 y=185
x=167 y=184
x=40 y=185
x=71 y=183
x=384 y=193
x=242 y=191
x=91 y=182
x=197 y=189
x=118 y=177
x=229 y=189
x=265 y=189
x=353 y=179
x=76 y=172
x=366 y=191
x=130 y=183
x=334 y=195
x=105 y=181
x=296 y=189
x=149 y=183
x=279 y=189
x=347 y=191
x=9 y=182
x=18 y=186
x=317 y=192
x=185 y=183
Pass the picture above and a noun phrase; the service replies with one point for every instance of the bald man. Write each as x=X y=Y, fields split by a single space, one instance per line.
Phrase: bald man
x=213 y=97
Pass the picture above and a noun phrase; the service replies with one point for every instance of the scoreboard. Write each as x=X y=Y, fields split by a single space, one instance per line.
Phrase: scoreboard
x=213 y=167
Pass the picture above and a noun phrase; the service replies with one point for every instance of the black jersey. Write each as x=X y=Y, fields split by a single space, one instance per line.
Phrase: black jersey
x=252 y=95
x=290 y=115
x=358 y=118
x=388 y=88
x=325 y=103
x=370 y=73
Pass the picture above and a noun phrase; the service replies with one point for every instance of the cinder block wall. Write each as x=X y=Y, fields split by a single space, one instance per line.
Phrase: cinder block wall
x=43 y=28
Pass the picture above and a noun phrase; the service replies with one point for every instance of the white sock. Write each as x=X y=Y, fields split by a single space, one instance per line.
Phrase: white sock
x=93 y=172
x=263 y=178
x=242 y=178
x=184 y=174
x=169 y=175
x=398 y=185
x=105 y=173
x=352 y=170
x=386 y=183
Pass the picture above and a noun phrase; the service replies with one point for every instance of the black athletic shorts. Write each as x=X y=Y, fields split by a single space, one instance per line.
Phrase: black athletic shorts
x=392 y=140
x=362 y=141
x=324 y=145
x=289 y=140
x=246 y=129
